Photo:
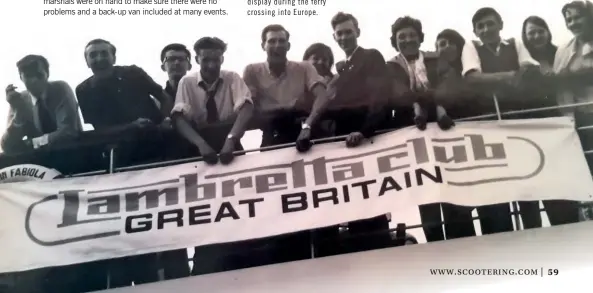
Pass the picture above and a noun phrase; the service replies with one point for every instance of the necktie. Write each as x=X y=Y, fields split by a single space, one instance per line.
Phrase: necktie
x=47 y=124
x=211 y=109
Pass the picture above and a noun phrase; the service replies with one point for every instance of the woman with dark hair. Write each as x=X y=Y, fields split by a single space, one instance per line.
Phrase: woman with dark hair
x=322 y=58
x=573 y=70
x=417 y=71
x=537 y=38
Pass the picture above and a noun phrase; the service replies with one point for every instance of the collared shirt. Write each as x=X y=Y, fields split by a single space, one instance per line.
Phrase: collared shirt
x=350 y=57
x=287 y=91
x=191 y=98
x=60 y=121
x=471 y=60
x=571 y=57
x=120 y=98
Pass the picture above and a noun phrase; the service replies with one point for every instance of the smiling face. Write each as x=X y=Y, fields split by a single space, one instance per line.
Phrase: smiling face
x=276 y=45
x=408 y=41
x=536 y=35
x=346 y=35
x=577 y=22
x=488 y=28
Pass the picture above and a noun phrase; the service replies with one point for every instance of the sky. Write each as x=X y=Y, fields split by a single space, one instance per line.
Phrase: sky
x=140 y=39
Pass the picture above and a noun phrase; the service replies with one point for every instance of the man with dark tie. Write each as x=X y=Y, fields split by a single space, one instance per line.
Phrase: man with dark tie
x=45 y=113
x=212 y=106
x=211 y=111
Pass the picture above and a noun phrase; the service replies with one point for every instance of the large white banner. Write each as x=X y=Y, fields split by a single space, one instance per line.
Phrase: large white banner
x=68 y=221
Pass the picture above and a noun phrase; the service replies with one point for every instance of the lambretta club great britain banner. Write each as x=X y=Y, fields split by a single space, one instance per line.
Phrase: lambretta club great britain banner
x=76 y=220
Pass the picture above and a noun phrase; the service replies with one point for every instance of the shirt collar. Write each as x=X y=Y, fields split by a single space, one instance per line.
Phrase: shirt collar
x=212 y=86
x=169 y=88
x=35 y=99
x=503 y=42
x=115 y=73
x=353 y=52
x=270 y=71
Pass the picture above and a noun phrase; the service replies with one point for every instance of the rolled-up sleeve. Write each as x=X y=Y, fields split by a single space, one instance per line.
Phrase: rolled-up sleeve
x=312 y=78
x=470 y=59
x=182 y=105
x=240 y=92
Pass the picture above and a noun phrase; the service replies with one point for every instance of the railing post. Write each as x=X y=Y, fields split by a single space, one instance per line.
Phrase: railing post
x=514 y=203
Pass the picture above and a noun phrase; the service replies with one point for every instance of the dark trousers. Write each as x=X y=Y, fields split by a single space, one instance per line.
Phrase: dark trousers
x=282 y=129
x=559 y=212
x=174 y=264
x=348 y=121
x=458 y=221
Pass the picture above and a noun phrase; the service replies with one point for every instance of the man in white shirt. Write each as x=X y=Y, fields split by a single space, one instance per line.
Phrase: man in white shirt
x=503 y=68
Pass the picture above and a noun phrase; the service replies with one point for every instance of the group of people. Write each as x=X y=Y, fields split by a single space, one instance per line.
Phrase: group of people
x=298 y=101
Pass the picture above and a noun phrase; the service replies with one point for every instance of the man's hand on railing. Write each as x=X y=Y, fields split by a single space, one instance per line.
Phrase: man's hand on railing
x=166 y=125
x=208 y=154
x=226 y=154
x=354 y=139
x=303 y=142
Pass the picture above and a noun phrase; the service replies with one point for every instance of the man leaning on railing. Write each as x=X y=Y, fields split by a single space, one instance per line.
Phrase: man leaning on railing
x=45 y=113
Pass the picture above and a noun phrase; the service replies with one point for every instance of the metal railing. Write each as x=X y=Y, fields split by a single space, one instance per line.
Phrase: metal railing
x=497 y=115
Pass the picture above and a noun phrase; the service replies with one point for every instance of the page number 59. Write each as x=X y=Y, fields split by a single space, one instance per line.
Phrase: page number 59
x=552 y=272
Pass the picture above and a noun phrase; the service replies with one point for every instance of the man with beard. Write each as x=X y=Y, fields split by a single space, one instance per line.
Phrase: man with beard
x=117 y=99
x=46 y=112
x=359 y=108
x=280 y=88
x=506 y=69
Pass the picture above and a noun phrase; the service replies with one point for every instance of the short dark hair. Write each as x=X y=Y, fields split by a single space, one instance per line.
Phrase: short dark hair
x=342 y=17
x=404 y=22
x=274 y=28
x=31 y=63
x=483 y=12
x=584 y=7
x=452 y=36
x=209 y=43
x=102 y=41
x=174 y=47
x=319 y=49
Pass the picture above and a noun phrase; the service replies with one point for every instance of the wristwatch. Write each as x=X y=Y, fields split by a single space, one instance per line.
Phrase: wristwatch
x=305 y=126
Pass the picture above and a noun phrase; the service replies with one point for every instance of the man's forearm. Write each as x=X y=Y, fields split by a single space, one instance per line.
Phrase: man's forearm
x=187 y=131
x=569 y=80
x=166 y=104
x=491 y=81
x=322 y=99
x=243 y=119
x=60 y=135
